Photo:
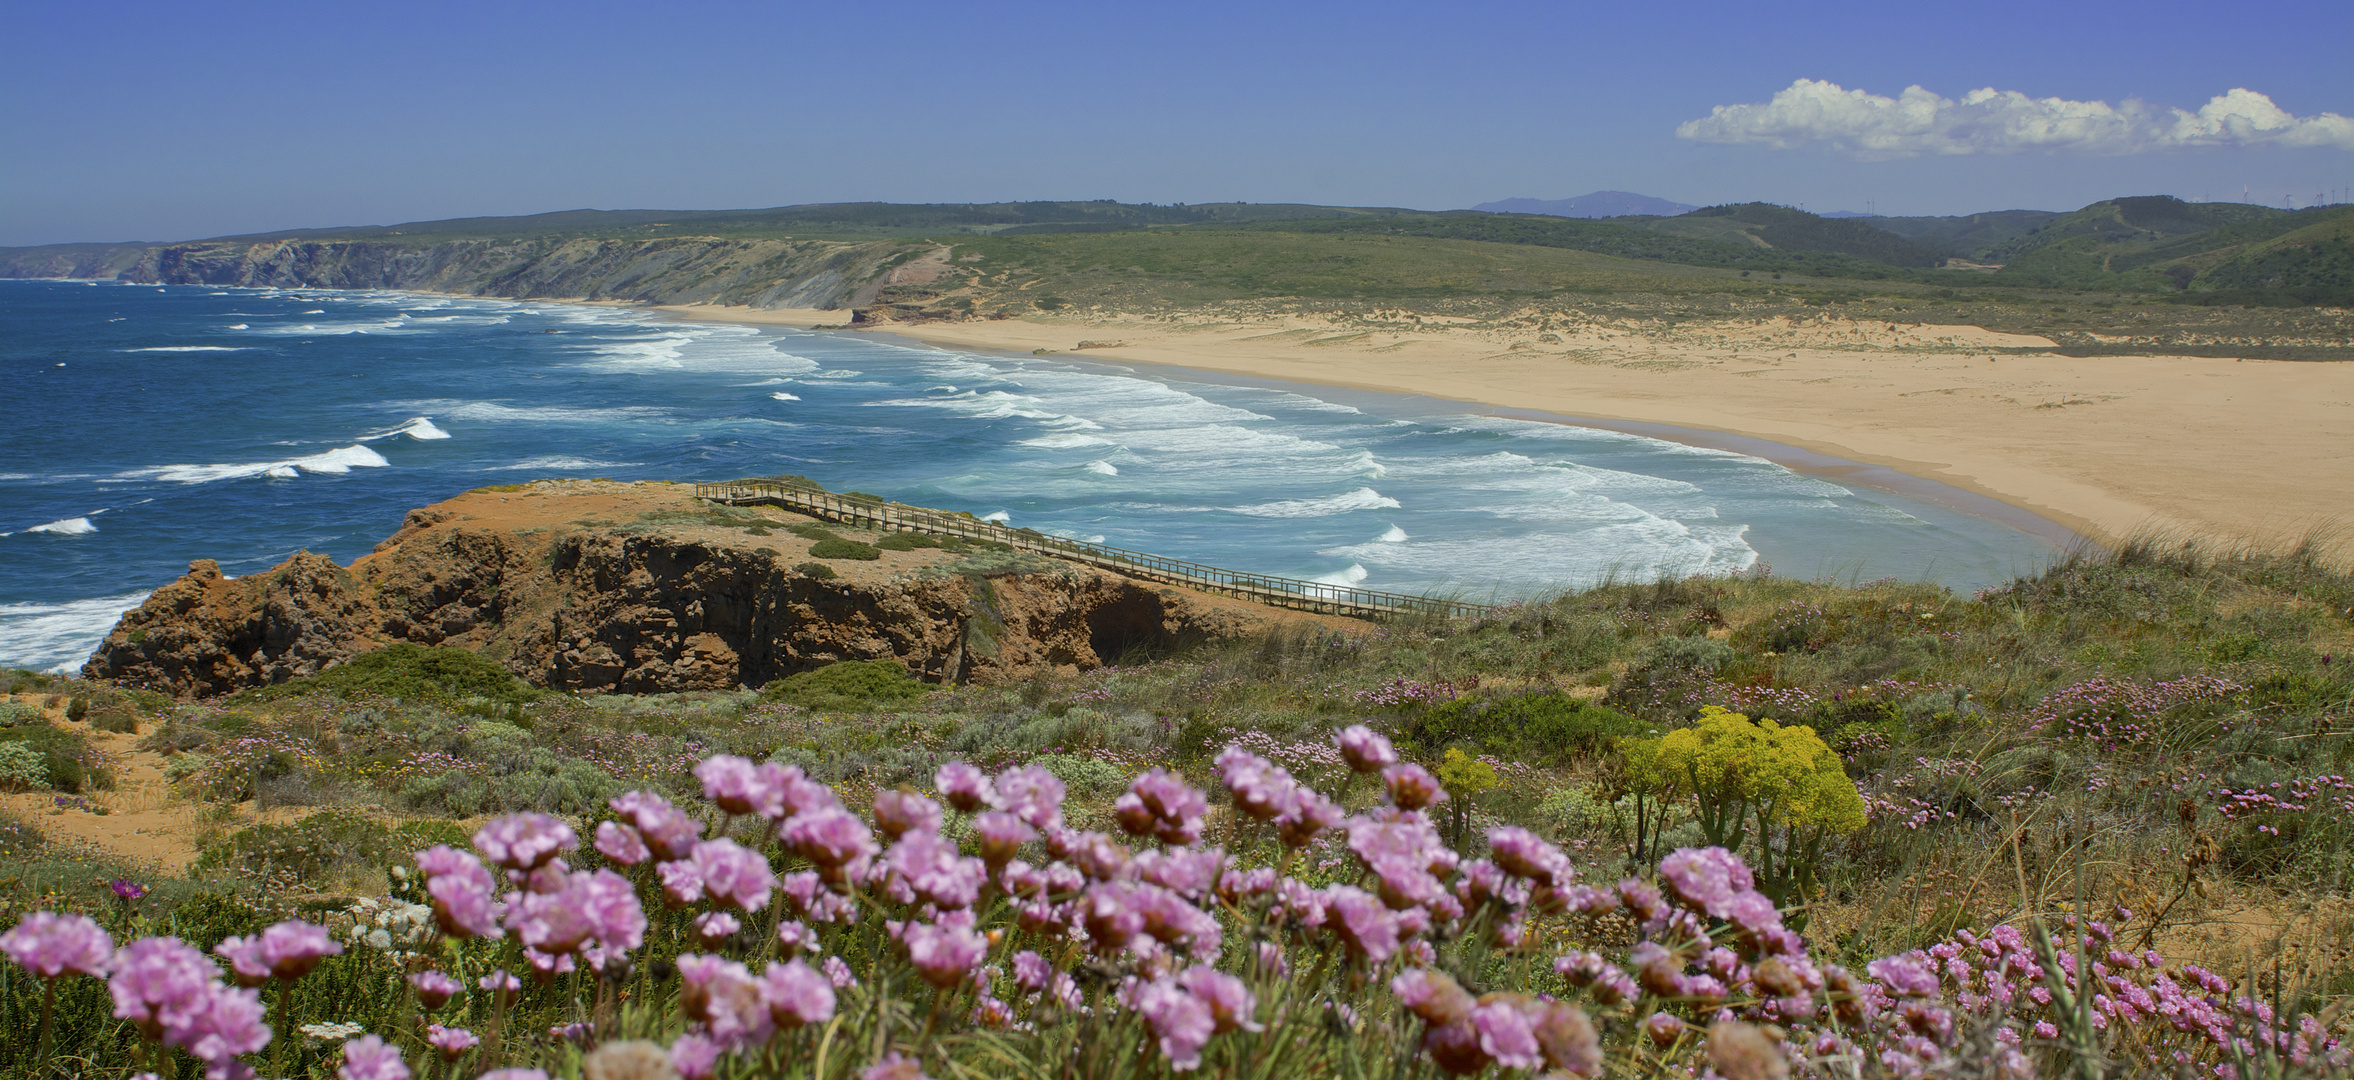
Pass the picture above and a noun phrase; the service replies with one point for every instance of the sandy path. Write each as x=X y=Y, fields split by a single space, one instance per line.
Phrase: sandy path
x=145 y=821
x=2104 y=445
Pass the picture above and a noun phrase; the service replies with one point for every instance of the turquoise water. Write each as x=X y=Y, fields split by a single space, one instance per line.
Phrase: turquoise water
x=143 y=427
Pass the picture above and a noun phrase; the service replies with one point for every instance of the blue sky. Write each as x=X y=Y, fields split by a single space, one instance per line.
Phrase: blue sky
x=170 y=121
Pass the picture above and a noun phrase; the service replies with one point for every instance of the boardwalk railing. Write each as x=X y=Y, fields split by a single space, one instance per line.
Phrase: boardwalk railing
x=1264 y=588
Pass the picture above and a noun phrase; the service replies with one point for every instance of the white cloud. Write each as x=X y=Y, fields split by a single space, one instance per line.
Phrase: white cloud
x=1991 y=121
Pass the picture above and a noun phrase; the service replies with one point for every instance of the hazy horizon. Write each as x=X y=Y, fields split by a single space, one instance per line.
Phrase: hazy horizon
x=146 y=121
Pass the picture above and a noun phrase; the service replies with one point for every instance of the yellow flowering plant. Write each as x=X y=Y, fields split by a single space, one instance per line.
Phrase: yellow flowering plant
x=1741 y=773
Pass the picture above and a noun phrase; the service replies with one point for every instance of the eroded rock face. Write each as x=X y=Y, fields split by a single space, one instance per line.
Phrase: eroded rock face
x=206 y=632
x=638 y=610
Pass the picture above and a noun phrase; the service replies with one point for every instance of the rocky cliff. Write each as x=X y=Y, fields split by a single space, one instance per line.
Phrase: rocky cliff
x=593 y=586
x=772 y=273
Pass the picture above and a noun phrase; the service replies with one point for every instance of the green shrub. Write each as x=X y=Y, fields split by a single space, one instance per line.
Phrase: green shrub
x=810 y=530
x=1549 y=728
x=17 y=713
x=906 y=541
x=850 y=684
x=312 y=847
x=72 y=765
x=1083 y=775
x=845 y=549
x=22 y=768
x=817 y=570
x=415 y=672
x=78 y=708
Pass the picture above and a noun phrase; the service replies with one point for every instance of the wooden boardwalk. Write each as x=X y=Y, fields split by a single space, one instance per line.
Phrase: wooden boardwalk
x=1263 y=588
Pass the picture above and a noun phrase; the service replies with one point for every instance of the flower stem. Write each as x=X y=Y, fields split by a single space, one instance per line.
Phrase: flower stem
x=48 y=1010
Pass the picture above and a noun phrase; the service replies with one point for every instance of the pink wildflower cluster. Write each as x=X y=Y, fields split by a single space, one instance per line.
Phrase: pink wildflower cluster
x=2123 y=712
x=2168 y=1018
x=1402 y=691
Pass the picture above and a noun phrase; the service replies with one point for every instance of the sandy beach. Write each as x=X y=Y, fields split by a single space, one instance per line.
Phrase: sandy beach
x=2107 y=446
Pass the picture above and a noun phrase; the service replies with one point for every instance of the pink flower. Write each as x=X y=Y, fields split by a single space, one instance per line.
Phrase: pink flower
x=1260 y=787
x=1236 y=886
x=1230 y=1001
x=1567 y=1038
x=1032 y=794
x=1905 y=975
x=965 y=787
x=292 y=948
x=1363 y=922
x=838 y=973
x=714 y=927
x=500 y=985
x=1001 y=836
x=160 y=984
x=616 y=920
x=734 y=876
x=1522 y=853
x=49 y=945
x=434 y=989
x=1364 y=749
x=1507 y=1034
x=621 y=843
x=451 y=1043
x=1412 y=787
x=523 y=841
x=1096 y=855
x=1161 y=804
x=894 y=1066
x=942 y=953
x=666 y=830
x=1706 y=879
x=1032 y=972
x=832 y=838
x=1111 y=916
x=1188 y=872
x=933 y=871
x=1434 y=996
x=725 y=997
x=246 y=963
x=738 y=786
x=226 y=1023
x=1306 y=812
x=695 y=1057
x=514 y=1074
x=371 y=1058
x=1181 y=1022
x=1663 y=1029
x=898 y=812
x=462 y=892
x=797 y=994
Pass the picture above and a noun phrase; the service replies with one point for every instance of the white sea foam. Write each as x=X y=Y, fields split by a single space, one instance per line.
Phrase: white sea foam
x=316 y=311
x=193 y=348
x=59 y=636
x=494 y=413
x=239 y=326
x=782 y=396
x=1395 y=535
x=420 y=428
x=1355 y=574
x=1363 y=498
x=74 y=526
x=835 y=373
x=1000 y=516
x=559 y=463
x=1104 y=468
x=339 y=460
x=1067 y=442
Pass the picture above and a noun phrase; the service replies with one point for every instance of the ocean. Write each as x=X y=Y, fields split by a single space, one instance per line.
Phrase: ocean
x=146 y=426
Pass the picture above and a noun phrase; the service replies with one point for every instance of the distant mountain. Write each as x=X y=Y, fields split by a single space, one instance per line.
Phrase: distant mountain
x=1600 y=204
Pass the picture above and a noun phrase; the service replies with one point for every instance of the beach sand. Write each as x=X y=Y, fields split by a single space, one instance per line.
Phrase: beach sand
x=2107 y=446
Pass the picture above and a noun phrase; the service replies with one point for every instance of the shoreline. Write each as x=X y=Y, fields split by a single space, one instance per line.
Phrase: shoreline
x=2097 y=449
